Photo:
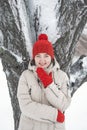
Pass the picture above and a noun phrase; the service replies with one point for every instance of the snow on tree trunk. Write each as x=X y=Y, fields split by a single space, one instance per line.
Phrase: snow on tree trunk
x=78 y=73
x=21 y=21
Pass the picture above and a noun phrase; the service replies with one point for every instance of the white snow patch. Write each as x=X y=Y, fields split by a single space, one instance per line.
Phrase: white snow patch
x=25 y=25
x=1 y=38
x=85 y=30
x=48 y=18
x=6 y=113
x=84 y=63
x=7 y=72
x=76 y=114
x=18 y=58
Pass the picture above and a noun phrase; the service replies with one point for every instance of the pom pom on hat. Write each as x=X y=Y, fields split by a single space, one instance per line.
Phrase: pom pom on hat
x=42 y=45
x=42 y=37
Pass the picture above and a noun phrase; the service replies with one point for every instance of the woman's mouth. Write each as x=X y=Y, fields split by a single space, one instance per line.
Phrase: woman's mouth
x=42 y=64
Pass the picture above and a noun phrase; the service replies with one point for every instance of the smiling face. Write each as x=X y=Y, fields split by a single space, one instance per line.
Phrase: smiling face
x=42 y=60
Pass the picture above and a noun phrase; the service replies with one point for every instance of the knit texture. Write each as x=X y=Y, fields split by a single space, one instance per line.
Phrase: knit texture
x=42 y=45
x=60 y=117
x=45 y=78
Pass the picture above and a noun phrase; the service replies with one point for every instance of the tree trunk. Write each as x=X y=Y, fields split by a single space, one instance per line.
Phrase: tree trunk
x=21 y=21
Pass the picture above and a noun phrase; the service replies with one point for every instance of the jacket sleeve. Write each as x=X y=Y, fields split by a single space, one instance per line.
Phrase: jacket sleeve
x=32 y=109
x=60 y=98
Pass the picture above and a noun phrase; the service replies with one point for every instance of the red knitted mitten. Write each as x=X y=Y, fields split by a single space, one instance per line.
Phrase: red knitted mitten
x=60 y=117
x=45 y=78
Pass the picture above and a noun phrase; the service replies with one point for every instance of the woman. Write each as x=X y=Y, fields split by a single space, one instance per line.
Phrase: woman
x=42 y=90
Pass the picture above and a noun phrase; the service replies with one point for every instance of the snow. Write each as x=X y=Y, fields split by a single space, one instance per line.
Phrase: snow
x=25 y=24
x=6 y=114
x=48 y=19
x=85 y=63
x=18 y=7
x=85 y=29
x=14 y=10
x=1 y=38
x=76 y=77
x=76 y=114
x=18 y=58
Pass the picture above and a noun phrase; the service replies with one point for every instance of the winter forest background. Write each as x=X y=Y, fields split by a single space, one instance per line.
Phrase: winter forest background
x=64 y=21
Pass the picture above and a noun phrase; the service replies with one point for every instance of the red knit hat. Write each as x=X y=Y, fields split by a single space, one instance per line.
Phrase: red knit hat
x=42 y=45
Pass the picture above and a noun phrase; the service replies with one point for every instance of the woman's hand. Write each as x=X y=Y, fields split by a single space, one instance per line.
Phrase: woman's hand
x=45 y=78
x=60 y=117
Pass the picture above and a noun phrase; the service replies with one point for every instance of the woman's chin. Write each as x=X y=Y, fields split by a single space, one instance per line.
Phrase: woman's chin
x=43 y=66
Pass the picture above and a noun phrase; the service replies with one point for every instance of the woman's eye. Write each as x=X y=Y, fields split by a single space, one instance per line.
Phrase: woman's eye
x=37 y=56
x=46 y=56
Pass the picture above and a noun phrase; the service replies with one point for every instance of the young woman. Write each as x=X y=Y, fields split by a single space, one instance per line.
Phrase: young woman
x=42 y=90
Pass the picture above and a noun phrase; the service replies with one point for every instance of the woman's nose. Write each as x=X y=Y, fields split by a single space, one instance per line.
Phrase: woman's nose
x=42 y=60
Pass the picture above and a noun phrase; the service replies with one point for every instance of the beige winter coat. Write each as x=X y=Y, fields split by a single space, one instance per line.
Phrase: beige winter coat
x=39 y=105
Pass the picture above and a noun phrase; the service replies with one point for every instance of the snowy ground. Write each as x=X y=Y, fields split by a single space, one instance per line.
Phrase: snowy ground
x=76 y=114
x=6 y=114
